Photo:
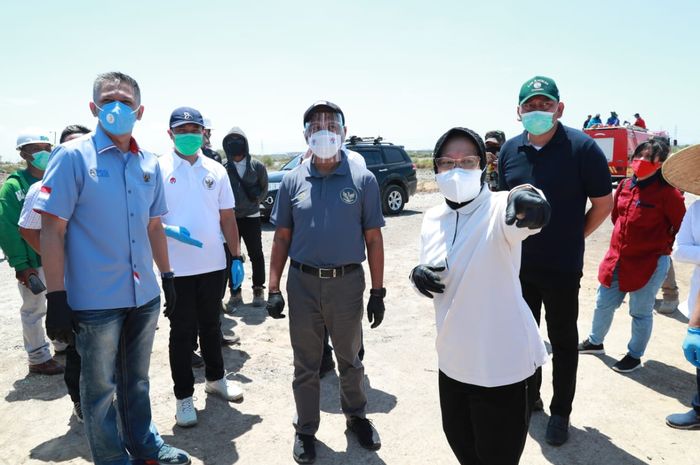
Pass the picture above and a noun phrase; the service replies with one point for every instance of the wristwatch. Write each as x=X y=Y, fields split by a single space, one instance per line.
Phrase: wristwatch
x=240 y=257
x=381 y=292
x=167 y=275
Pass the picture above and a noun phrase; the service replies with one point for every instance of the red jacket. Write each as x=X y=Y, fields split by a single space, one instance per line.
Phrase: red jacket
x=646 y=216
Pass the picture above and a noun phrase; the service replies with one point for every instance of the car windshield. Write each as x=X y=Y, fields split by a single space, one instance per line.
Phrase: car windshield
x=291 y=164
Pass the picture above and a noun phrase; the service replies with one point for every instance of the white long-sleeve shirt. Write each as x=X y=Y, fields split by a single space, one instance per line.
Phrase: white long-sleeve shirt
x=687 y=249
x=486 y=334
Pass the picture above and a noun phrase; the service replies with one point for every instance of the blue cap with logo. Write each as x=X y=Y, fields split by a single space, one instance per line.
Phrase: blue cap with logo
x=185 y=115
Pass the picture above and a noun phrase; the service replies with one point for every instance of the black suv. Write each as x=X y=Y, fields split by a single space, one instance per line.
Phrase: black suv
x=390 y=164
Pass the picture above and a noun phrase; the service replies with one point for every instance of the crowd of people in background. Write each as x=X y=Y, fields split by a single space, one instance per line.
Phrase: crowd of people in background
x=505 y=215
x=594 y=121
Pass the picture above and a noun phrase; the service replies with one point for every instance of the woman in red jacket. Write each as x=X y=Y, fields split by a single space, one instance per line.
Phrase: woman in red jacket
x=647 y=214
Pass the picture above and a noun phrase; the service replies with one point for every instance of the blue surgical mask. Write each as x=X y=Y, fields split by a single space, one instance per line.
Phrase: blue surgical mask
x=117 y=118
x=537 y=122
x=40 y=160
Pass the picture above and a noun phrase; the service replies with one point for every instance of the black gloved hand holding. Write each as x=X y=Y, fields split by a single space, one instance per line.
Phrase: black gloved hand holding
x=168 y=281
x=59 y=317
x=426 y=279
x=527 y=209
x=275 y=304
x=375 y=307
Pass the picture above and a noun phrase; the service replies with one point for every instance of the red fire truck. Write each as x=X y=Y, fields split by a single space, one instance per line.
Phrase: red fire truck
x=618 y=144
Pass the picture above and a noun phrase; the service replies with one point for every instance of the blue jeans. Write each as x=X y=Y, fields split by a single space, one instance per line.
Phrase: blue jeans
x=641 y=309
x=115 y=348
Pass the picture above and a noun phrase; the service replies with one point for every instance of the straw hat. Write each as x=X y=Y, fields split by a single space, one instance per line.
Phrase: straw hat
x=682 y=170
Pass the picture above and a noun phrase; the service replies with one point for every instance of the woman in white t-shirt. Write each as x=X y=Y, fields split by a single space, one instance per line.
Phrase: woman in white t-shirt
x=488 y=343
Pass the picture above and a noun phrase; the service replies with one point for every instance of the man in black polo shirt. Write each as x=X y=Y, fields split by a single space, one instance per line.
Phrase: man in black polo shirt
x=570 y=169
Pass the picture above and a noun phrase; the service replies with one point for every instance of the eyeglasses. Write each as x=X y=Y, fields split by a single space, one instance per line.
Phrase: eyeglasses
x=467 y=163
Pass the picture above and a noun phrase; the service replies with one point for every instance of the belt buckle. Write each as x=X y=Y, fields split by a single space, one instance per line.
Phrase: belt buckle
x=326 y=276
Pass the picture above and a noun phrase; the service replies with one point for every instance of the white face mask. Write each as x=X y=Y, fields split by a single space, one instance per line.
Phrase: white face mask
x=325 y=144
x=459 y=185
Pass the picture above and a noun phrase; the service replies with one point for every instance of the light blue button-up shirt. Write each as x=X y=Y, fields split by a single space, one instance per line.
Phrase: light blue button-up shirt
x=107 y=197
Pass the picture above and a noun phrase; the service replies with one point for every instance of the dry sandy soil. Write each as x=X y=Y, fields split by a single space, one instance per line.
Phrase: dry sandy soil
x=617 y=419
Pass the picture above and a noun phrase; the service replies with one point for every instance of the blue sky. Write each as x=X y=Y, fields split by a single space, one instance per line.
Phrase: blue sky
x=407 y=70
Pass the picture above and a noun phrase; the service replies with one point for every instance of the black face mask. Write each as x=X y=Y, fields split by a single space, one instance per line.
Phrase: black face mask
x=235 y=147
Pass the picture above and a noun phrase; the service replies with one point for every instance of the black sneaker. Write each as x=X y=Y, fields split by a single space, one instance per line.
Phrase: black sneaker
x=365 y=432
x=627 y=364
x=304 y=448
x=197 y=361
x=687 y=420
x=557 y=430
x=587 y=347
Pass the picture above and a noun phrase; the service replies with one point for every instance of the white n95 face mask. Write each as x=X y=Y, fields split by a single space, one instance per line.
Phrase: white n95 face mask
x=325 y=144
x=459 y=185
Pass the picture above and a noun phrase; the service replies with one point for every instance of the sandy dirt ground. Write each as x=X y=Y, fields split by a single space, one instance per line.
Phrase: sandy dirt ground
x=617 y=419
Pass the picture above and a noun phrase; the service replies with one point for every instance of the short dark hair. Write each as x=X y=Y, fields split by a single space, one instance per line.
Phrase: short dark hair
x=73 y=129
x=117 y=77
x=659 y=149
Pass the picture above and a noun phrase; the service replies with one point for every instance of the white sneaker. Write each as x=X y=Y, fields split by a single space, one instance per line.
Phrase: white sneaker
x=224 y=389
x=185 y=415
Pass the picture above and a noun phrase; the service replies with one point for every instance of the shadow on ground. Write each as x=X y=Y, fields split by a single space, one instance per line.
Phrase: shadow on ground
x=38 y=387
x=71 y=445
x=585 y=446
x=378 y=401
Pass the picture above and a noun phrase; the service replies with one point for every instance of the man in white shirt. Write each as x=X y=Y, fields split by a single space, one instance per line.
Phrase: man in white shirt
x=200 y=208
x=487 y=348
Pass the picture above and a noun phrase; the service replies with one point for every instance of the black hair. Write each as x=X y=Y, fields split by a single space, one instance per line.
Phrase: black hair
x=73 y=129
x=659 y=150
x=116 y=77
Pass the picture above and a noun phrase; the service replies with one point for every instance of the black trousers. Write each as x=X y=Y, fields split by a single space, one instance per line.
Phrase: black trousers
x=196 y=310
x=484 y=425
x=561 y=314
x=250 y=230
x=71 y=375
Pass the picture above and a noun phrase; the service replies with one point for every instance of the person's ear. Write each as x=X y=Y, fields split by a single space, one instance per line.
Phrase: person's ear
x=306 y=136
x=517 y=111
x=139 y=113
x=93 y=109
x=560 y=110
x=170 y=133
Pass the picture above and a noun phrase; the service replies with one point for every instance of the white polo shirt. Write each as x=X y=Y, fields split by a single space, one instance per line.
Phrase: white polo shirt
x=28 y=218
x=195 y=194
x=486 y=334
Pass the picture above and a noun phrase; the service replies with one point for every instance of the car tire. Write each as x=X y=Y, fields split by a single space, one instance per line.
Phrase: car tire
x=393 y=199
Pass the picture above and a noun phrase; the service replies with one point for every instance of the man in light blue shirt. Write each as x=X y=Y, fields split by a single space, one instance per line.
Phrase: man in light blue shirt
x=101 y=203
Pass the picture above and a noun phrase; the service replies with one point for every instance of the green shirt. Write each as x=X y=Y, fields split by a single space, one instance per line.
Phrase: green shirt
x=19 y=254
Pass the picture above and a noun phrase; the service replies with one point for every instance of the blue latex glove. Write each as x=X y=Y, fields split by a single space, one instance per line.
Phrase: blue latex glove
x=180 y=233
x=237 y=274
x=691 y=346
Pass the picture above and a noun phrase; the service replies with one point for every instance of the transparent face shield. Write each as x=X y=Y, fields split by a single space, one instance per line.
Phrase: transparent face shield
x=324 y=134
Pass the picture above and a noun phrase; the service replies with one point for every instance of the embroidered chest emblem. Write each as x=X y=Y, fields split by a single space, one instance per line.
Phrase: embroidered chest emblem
x=348 y=195
x=209 y=182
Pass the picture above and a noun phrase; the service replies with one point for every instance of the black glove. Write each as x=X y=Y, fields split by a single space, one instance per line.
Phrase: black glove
x=526 y=202
x=375 y=307
x=426 y=280
x=168 y=280
x=59 y=317
x=275 y=305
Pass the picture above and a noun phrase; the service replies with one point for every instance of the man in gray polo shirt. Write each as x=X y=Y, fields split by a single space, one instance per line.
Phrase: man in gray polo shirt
x=326 y=213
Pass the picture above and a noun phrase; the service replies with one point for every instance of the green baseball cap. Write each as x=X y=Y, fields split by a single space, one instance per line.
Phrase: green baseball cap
x=538 y=85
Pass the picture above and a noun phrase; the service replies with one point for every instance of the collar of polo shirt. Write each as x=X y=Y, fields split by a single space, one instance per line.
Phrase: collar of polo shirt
x=104 y=143
x=341 y=170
